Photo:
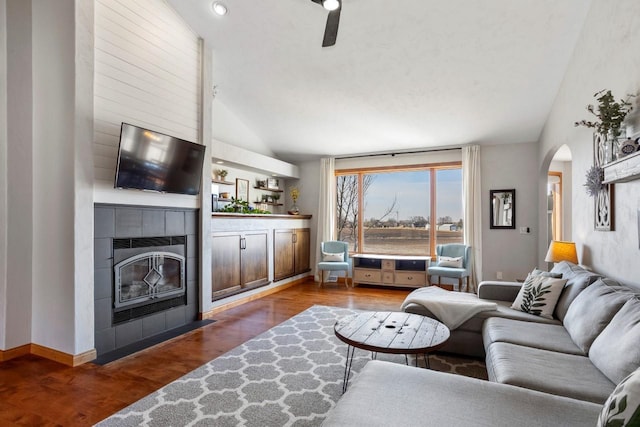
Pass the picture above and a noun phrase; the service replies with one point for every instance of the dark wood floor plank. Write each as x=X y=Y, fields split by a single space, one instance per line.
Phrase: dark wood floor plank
x=40 y=392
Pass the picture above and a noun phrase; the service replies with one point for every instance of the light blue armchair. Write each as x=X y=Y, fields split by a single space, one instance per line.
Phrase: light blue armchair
x=453 y=250
x=335 y=257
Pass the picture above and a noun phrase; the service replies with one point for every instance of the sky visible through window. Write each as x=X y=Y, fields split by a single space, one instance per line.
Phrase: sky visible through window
x=411 y=190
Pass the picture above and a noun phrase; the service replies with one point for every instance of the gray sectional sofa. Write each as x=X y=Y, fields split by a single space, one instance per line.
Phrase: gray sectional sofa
x=541 y=371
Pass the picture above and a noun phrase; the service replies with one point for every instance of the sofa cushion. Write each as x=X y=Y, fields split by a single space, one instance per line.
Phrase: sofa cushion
x=577 y=279
x=592 y=310
x=622 y=408
x=539 y=295
x=562 y=374
x=616 y=351
x=530 y=334
x=388 y=394
x=467 y=338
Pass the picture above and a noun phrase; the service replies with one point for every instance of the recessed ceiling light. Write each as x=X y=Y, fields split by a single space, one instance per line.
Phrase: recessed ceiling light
x=220 y=162
x=219 y=8
x=331 y=4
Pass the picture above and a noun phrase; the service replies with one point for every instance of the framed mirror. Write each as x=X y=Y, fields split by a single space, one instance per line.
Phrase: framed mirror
x=502 y=207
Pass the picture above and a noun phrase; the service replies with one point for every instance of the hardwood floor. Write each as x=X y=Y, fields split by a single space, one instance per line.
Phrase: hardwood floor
x=39 y=392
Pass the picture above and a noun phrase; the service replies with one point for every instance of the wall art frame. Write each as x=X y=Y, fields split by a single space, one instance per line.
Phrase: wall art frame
x=603 y=201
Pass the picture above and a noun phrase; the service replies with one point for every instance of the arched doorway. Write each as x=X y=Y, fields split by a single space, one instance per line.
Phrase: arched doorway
x=559 y=193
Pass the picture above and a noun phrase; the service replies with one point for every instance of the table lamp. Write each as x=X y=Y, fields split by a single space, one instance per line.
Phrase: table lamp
x=561 y=251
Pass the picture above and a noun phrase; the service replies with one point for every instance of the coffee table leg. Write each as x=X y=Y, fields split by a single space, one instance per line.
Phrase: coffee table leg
x=347 y=367
x=426 y=360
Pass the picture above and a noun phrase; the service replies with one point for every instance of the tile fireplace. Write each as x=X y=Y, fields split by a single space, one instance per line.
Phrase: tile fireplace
x=145 y=272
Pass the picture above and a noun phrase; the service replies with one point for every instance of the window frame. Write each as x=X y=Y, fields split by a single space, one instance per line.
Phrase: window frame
x=432 y=168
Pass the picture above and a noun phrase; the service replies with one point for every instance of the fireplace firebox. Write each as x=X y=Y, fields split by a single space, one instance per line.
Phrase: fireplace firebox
x=149 y=276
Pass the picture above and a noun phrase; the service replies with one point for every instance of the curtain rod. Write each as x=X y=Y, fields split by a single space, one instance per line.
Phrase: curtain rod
x=398 y=153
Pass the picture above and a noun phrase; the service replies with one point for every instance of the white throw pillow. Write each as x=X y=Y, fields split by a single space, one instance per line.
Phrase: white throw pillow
x=333 y=257
x=622 y=408
x=539 y=295
x=447 y=261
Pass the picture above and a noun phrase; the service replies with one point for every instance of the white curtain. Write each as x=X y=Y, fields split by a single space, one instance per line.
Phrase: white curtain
x=326 y=205
x=472 y=204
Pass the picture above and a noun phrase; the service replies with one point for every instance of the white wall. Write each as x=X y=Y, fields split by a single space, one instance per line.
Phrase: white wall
x=54 y=304
x=227 y=127
x=147 y=73
x=510 y=166
x=308 y=202
x=606 y=57
x=19 y=171
x=448 y=155
x=3 y=172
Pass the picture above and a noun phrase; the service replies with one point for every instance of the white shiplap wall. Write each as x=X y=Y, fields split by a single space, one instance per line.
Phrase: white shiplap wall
x=147 y=73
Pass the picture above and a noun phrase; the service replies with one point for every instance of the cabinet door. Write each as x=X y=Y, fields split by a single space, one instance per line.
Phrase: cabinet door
x=303 y=250
x=255 y=259
x=225 y=262
x=283 y=254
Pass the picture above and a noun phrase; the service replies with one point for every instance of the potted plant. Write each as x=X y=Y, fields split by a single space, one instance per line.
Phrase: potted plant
x=222 y=173
x=294 y=193
x=609 y=115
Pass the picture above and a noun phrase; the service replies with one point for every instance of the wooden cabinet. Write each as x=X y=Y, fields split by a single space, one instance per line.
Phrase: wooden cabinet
x=239 y=261
x=390 y=270
x=291 y=251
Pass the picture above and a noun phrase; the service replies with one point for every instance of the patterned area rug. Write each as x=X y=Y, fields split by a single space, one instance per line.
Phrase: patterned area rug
x=291 y=375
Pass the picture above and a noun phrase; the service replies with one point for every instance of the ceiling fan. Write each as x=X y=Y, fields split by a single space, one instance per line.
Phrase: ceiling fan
x=331 y=30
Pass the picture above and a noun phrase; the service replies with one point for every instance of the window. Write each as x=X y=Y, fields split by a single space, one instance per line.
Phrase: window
x=389 y=211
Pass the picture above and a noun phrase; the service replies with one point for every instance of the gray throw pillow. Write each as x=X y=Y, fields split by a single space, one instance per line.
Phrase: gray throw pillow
x=616 y=351
x=537 y=272
x=591 y=312
x=622 y=408
x=578 y=278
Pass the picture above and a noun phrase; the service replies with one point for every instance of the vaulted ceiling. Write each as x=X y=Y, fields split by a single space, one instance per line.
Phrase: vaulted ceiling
x=403 y=74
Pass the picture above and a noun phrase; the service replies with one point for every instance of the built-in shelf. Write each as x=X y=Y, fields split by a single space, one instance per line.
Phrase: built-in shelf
x=623 y=170
x=273 y=190
x=236 y=215
x=217 y=181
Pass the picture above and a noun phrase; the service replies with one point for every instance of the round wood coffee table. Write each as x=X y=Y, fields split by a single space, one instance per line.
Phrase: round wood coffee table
x=389 y=332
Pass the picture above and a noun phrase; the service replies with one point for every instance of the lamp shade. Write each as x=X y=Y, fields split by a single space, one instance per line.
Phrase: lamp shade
x=561 y=251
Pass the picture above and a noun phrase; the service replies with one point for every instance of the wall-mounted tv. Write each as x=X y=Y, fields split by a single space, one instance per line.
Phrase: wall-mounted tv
x=149 y=160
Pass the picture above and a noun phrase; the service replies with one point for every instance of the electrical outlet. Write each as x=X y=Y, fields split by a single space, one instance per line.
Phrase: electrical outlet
x=499 y=275
x=525 y=230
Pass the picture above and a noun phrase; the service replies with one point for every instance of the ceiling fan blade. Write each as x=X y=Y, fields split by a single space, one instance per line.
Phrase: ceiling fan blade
x=317 y=1
x=331 y=30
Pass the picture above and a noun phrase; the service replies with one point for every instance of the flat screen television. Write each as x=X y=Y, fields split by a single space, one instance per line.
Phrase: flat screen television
x=149 y=160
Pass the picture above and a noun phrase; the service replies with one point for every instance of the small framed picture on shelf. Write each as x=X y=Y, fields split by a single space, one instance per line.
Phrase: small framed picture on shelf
x=272 y=183
x=242 y=189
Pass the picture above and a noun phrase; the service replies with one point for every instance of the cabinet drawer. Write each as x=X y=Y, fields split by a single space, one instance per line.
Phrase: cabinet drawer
x=364 y=275
x=411 y=278
x=387 y=277
x=388 y=264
